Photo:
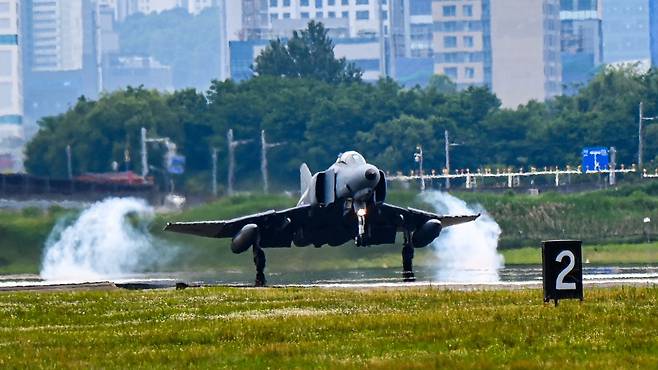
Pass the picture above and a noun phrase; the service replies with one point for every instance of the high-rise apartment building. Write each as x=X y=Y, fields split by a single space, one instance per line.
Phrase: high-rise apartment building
x=511 y=46
x=525 y=50
x=462 y=41
x=11 y=86
x=626 y=30
x=360 y=17
x=581 y=41
x=57 y=35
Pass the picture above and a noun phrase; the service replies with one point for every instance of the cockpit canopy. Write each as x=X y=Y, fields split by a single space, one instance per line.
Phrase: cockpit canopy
x=351 y=158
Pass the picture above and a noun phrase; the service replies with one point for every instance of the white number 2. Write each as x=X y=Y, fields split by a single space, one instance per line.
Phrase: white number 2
x=559 y=283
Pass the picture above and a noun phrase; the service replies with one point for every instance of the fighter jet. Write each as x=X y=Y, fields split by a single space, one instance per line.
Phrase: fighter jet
x=343 y=203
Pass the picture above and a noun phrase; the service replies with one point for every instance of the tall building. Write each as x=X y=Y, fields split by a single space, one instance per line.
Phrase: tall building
x=11 y=85
x=57 y=35
x=510 y=46
x=361 y=17
x=462 y=41
x=626 y=30
x=59 y=58
x=581 y=43
x=653 y=21
x=525 y=50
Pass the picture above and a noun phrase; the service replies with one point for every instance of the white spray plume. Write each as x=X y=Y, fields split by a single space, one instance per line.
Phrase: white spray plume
x=467 y=253
x=108 y=239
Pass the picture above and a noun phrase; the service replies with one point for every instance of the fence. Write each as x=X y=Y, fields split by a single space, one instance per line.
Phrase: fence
x=512 y=178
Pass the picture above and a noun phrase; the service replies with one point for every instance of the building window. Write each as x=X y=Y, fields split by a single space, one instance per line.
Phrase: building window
x=274 y=16
x=468 y=41
x=384 y=15
x=362 y=15
x=345 y=14
x=345 y=2
x=451 y=72
x=286 y=3
x=286 y=15
x=331 y=2
x=304 y=15
x=318 y=4
x=449 y=41
x=449 y=10
x=361 y=2
x=332 y=14
x=319 y=15
x=274 y=3
x=467 y=10
x=469 y=72
x=303 y=3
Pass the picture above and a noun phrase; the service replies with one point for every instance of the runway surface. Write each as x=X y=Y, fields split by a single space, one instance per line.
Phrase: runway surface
x=512 y=277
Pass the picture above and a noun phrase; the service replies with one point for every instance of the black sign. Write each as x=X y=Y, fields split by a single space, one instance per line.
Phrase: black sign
x=562 y=262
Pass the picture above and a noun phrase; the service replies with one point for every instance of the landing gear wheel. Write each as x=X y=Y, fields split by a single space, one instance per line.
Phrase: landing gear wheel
x=407 y=260
x=259 y=261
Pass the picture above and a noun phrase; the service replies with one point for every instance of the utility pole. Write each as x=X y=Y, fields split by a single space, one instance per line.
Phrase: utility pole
x=263 y=159
x=232 y=144
x=69 y=167
x=214 y=172
x=418 y=157
x=447 y=146
x=640 y=143
x=613 y=164
x=145 y=164
x=447 y=152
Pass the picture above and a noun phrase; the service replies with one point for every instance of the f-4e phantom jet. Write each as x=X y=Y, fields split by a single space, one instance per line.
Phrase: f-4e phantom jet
x=343 y=203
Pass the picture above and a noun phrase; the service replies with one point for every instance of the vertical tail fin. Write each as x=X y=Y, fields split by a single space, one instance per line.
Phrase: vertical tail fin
x=304 y=177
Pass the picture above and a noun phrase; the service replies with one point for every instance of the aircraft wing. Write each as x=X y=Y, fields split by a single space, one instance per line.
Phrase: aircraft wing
x=270 y=222
x=412 y=218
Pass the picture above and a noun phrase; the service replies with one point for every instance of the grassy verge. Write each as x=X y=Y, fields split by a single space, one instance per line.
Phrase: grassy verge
x=328 y=329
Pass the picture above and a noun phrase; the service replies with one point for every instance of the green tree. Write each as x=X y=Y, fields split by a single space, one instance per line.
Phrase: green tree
x=308 y=54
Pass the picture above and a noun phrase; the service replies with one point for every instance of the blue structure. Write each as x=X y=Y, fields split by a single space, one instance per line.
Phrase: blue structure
x=595 y=159
x=625 y=30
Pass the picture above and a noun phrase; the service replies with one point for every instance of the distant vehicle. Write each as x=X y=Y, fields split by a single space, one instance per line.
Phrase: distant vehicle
x=344 y=202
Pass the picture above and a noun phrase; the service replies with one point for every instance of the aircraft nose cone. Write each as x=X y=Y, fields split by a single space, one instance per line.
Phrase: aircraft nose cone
x=371 y=174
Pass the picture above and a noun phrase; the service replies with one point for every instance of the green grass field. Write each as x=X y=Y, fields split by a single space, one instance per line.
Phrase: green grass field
x=328 y=329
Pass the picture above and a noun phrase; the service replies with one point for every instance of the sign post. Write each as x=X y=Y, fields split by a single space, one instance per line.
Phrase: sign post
x=562 y=270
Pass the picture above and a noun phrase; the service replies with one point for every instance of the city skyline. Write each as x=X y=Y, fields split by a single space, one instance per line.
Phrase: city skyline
x=54 y=51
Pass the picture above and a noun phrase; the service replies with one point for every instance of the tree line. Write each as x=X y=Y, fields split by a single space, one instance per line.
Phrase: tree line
x=319 y=115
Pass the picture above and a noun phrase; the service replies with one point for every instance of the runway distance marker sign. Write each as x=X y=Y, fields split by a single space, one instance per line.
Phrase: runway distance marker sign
x=562 y=269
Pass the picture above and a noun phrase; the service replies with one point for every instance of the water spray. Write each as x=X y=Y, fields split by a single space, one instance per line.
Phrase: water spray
x=108 y=239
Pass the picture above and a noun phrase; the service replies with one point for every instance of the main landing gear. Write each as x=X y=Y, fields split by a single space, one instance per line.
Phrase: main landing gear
x=407 y=259
x=259 y=261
